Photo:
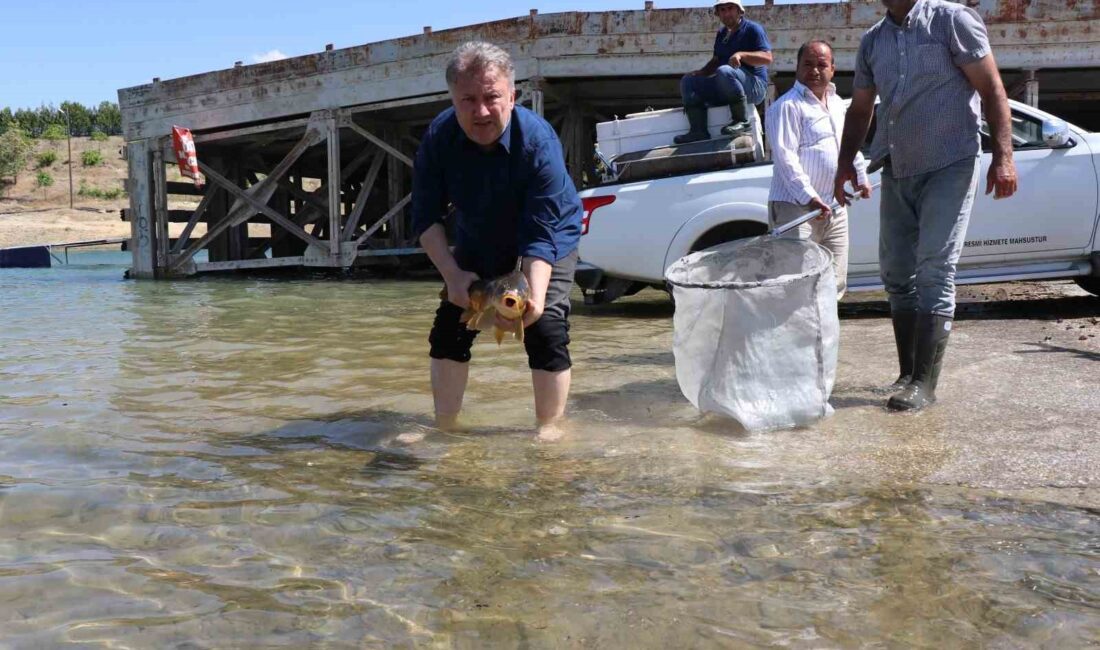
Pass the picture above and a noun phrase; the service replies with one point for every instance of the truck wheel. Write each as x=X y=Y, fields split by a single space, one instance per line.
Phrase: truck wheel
x=609 y=289
x=1089 y=283
x=728 y=232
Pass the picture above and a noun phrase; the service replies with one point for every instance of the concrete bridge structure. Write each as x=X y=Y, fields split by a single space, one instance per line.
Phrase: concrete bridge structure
x=308 y=159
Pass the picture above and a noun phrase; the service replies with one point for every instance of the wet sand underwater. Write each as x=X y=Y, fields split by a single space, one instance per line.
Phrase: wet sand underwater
x=214 y=463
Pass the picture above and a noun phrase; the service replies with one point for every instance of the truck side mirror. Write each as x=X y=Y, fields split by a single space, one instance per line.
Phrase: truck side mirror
x=1056 y=133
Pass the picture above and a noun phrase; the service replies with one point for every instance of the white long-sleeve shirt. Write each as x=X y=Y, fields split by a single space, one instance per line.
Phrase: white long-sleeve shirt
x=805 y=138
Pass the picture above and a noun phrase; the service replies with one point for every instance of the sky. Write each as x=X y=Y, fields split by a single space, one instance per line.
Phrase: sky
x=85 y=50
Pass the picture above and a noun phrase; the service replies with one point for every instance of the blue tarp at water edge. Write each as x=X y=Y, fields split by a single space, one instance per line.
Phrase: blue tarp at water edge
x=26 y=257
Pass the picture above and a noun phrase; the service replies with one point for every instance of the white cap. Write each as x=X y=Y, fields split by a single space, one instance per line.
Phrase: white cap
x=718 y=3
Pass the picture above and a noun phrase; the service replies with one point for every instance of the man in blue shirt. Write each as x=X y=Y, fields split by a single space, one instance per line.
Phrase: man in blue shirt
x=736 y=75
x=500 y=169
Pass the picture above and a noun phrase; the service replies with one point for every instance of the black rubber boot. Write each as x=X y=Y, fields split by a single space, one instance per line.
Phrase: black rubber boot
x=739 y=117
x=932 y=333
x=697 y=123
x=905 y=339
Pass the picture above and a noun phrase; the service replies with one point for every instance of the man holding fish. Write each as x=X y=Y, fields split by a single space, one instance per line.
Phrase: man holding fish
x=496 y=173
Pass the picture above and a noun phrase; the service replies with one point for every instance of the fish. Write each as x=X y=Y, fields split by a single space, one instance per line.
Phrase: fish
x=506 y=295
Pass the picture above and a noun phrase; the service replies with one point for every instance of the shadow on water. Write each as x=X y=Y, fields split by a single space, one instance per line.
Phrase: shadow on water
x=651 y=359
x=641 y=401
x=841 y=401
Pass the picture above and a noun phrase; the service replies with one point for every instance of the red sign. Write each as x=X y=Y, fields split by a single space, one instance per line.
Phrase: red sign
x=186 y=156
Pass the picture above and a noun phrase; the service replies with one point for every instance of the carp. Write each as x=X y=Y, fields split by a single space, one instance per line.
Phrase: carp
x=506 y=295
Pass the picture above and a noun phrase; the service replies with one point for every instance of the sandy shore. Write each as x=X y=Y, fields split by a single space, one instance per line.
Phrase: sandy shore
x=62 y=225
x=55 y=226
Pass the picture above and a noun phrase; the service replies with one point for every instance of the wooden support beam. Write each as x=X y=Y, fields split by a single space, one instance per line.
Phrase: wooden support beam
x=236 y=265
x=399 y=103
x=202 y=138
x=174 y=216
x=350 y=123
x=141 y=209
x=364 y=196
x=260 y=207
x=334 y=186
x=207 y=199
x=160 y=207
x=318 y=206
x=304 y=196
x=257 y=197
x=396 y=181
x=385 y=218
x=382 y=252
x=1031 y=88
x=183 y=189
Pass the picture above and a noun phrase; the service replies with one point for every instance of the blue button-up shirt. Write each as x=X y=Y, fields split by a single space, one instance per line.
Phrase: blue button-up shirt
x=515 y=200
x=929 y=114
x=749 y=37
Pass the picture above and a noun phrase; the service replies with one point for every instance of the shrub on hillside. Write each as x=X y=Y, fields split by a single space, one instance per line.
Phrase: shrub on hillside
x=45 y=159
x=42 y=181
x=91 y=158
x=99 y=136
x=15 y=151
x=55 y=132
x=96 y=193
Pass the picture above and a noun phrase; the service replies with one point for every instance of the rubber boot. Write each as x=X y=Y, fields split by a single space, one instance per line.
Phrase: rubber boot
x=739 y=116
x=932 y=333
x=905 y=339
x=697 y=122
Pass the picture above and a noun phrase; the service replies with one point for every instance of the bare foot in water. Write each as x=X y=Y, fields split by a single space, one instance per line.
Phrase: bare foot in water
x=550 y=432
x=409 y=437
x=446 y=422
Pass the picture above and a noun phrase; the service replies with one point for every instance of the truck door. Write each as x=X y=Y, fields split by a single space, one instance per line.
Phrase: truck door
x=1054 y=210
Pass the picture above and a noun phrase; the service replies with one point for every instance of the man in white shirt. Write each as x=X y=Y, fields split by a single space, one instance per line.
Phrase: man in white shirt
x=805 y=126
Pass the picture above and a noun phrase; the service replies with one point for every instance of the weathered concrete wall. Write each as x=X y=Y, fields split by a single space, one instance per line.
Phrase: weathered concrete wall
x=1025 y=33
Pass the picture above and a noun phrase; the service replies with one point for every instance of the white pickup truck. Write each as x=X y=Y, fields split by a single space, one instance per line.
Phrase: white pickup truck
x=634 y=231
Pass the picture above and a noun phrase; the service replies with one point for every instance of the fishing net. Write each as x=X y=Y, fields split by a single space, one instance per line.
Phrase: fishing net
x=756 y=330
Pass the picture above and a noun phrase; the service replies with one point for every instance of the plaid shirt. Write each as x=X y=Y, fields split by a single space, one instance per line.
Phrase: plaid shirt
x=929 y=114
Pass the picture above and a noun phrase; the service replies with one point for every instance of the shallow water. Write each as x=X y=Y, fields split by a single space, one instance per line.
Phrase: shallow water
x=213 y=463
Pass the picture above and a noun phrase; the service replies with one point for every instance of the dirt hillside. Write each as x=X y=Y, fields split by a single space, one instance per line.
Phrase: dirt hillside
x=34 y=215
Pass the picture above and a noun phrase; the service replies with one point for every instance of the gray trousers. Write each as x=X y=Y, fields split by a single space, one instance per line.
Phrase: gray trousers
x=923 y=221
x=831 y=233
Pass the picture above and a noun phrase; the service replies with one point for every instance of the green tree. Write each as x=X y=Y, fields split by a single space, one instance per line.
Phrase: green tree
x=7 y=120
x=48 y=114
x=27 y=121
x=42 y=181
x=55 y=132
x=15 y=151
x=80 y=118
x=108 y=118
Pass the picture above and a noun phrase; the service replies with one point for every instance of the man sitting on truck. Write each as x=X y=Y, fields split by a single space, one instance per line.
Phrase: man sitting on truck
x=805 y=126
x=737 y=74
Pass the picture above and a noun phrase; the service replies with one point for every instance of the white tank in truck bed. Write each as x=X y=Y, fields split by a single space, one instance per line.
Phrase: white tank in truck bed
x=641 y=145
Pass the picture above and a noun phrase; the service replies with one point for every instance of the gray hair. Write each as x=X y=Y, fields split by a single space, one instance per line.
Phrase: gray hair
x=478 y=56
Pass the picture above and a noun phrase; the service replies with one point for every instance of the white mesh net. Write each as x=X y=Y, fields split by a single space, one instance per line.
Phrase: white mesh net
x=756 y=330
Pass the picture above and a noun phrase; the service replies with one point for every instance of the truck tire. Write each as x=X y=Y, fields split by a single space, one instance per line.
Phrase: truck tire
x=1089 y=283
x=728 y=232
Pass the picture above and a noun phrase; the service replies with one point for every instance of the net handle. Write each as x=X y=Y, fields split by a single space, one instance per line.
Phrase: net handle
x=813 y=214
